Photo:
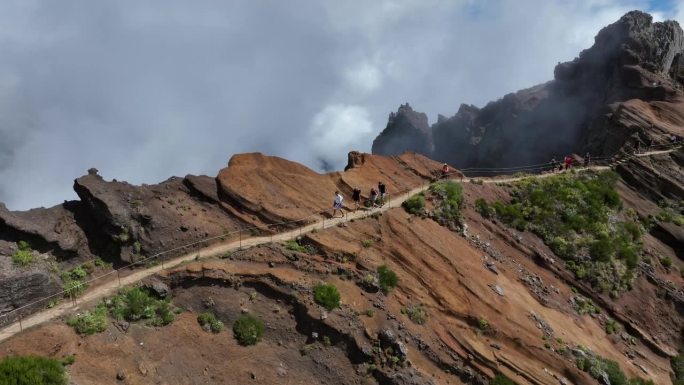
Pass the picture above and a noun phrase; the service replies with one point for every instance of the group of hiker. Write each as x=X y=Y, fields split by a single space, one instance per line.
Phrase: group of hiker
x=376 y=198
x=567 y=162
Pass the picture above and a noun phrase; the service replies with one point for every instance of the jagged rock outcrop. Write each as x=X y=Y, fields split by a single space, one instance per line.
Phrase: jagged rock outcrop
x=627 y=87
x=407 y=130
x=124 y=223
x=147 y=219
x=55 y=229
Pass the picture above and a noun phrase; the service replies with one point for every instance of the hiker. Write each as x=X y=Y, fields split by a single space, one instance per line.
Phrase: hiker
x=445 y=170
x=568 y=162
x=637 y=147
x=373 y=197
x=337 y=205
x=356 y=197
x=382 y=189
x=554 y=164
x=587 y=159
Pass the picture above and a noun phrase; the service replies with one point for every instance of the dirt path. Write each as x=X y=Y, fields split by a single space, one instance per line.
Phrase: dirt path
x=110 y=287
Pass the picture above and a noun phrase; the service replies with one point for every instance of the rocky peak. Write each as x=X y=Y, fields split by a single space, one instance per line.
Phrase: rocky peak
x=406 y=130
x=626 y=87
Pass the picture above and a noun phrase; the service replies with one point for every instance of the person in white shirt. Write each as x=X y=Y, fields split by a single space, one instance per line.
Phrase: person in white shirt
x=337 y=205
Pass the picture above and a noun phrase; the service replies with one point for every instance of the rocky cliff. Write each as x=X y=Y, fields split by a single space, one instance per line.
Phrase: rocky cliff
x=627 y=87
x=123 y=223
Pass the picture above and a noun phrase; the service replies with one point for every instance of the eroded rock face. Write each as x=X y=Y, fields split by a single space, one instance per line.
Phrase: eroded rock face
x=55 y=229
x=626 y=87
x=22 y=288
x=123 y=223
x=407 y=130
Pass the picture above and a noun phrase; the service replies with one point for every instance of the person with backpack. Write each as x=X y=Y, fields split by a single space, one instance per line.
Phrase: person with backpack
x=554 y=164
x=382 y=189
x=356 y=197
x=337 y=204
x=373 y=197
x=587 y=159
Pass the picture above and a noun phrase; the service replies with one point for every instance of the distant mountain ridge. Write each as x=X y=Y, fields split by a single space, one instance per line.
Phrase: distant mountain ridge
x=627 y=87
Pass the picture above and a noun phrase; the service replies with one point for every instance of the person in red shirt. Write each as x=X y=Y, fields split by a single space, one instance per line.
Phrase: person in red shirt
x=568 y=162
x=445 y=170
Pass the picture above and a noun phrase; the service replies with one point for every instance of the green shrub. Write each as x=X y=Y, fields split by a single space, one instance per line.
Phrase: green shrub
x=215 y=325
x=78 y=273
x=666 y=261
x=482 y=207
x=248 y=329
x=24 y=255
x=596 y=366
x=612 y=326
x=387 y=278
x=615 y=374
x=450 y=195
x=367 y=243
x=295 y=246
x=90 y=322
x=575 y=215
x=482 y=324
x=415 y=204
x=416 y=313
x=500 y=379
x=32 y=371
x=73 y=287
x=69 y=360
x=327 y=296
x=138 y=304
x=298 y=247
x=677 y=363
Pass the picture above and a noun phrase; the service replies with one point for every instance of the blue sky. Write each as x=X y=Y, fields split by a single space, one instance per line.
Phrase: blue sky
x=143 y=92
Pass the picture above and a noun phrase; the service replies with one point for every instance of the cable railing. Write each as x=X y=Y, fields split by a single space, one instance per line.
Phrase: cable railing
x=172 y=258
x=602 y=160
x=241 y=237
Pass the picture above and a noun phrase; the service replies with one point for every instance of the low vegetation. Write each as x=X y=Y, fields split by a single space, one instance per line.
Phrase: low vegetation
x=295 y=245
x=90 y=322
x=598 y=366
x=73 y=281
x=210 y=321
x=449 y=196
x=579 y=217
x=671 y=212
x=482 y=207
x=677 y=363
x=415 y=205
x=387 y=279
x=416 y=313
x=327 y=296
x=366 y=243
x=24 y=255
x=248 y=329
x=137 y=304
x=32 y=371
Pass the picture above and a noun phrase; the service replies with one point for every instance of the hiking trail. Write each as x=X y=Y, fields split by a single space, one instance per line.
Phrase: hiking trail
x=111 y=286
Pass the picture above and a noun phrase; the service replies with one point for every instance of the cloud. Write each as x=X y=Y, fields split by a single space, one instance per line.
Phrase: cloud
x=337 y=128
x=143 y=92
